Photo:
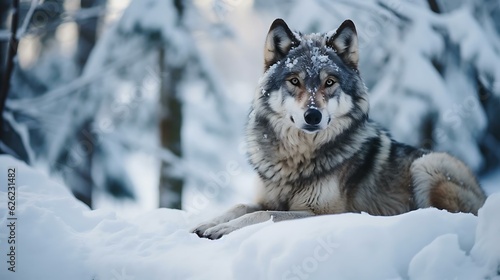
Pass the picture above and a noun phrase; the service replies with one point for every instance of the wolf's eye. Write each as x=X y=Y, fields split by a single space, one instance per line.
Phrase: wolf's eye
x=294 y=81
x=329 y=83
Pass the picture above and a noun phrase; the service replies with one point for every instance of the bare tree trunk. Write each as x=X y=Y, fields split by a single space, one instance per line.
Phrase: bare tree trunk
x=9 y=67
x=170 y=188
x=87 y=32
x=170 y=133
x=80 y=176
x=4 y=14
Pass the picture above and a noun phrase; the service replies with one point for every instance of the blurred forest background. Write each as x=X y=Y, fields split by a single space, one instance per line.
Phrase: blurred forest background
x=136 y=104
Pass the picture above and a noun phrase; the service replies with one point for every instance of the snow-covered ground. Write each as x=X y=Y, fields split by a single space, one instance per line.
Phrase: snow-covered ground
x=57 y=237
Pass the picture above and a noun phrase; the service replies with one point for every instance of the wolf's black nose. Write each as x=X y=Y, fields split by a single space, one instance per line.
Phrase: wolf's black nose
x=312 y=116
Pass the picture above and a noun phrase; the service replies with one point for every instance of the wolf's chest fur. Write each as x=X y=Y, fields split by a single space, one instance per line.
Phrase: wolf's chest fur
x=294 y=174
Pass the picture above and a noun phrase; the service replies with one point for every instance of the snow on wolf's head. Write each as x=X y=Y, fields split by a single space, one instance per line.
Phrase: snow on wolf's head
x=311 y=82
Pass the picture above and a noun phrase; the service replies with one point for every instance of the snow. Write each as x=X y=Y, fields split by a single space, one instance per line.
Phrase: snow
x=291 y=63
x=57 y=237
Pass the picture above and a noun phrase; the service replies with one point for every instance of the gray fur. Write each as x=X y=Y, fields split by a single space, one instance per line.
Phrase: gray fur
x=345 y=163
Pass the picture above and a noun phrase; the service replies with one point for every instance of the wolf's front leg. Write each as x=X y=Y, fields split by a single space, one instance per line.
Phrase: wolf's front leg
x=218 y=231
x=233 y=213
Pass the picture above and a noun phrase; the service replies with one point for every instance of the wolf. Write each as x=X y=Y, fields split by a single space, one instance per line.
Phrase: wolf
x=315 y=150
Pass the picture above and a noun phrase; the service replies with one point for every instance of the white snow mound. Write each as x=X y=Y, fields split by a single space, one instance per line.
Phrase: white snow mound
x=57 y=237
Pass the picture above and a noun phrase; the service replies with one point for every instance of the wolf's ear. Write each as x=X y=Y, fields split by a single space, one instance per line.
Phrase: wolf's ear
x=280 y=39
x=345 y=42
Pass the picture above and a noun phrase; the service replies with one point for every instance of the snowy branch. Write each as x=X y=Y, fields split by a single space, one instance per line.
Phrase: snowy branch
x=78 y=15
x=409 y=12
x=182 y=167
x=51 y=97
x=27 y=19
x=366 y=6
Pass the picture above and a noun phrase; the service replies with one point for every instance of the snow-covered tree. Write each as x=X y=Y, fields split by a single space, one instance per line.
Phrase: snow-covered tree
x=111 y=110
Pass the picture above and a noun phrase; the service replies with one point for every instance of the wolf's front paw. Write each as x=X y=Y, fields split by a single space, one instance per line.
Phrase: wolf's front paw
x=218 y=231
x=199 y=230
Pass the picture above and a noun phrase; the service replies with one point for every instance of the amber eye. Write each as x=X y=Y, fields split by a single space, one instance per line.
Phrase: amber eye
x=294 y=81
x=329 y=83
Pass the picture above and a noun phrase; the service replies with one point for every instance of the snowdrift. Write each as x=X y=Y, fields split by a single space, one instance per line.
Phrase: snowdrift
x=57 y=237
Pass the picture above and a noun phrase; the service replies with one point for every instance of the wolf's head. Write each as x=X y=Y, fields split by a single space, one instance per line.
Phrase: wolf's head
x=311 y=82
